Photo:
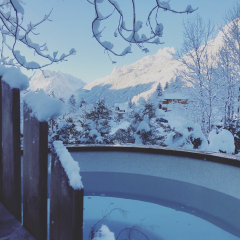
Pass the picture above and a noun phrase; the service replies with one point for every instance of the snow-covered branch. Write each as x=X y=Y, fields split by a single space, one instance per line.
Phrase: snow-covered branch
x=11 y=17
x=137 y=33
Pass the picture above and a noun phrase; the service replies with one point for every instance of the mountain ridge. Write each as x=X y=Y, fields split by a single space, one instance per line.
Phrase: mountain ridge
x=61 y=84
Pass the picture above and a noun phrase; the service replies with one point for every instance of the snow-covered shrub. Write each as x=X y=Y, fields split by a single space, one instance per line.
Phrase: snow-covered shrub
x=94 y=134
x=149 y=110
x=221 y=142
x=123 y=136
x=137 y=118
x=145 y=133
x=187 y=135
x=99 y=115
x=103 y=126
x=67 y=133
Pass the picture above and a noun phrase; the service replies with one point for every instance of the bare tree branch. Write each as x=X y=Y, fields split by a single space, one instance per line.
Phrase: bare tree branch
x=155 y=29
x=12 y=27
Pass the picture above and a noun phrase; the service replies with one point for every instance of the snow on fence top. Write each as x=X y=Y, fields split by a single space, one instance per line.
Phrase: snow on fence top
x=70 y=166
x=43 y=106
x=14 y=77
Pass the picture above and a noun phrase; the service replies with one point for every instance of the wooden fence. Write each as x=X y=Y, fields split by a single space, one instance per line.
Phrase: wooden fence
x=66 y=216
x=10 y=159
x=35 y=174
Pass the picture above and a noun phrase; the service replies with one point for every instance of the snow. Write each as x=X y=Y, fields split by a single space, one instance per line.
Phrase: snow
x=18 y=6
x=160 y=112
x=139 y=79
x=143 y=126
x=32 y=65
x=183 y=134
x=122 y=125
x=61 y=84
x=174 y=96
x=14 y=77
x=94 y=132
x=43 y=106
x=104 y=234
x=21 y=59
x=70 y=166
x=107 y=45
x=91 y=124
x=223 y=141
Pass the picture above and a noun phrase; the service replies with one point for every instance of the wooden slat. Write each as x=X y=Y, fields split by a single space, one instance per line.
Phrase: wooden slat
x=10 y=163
x=66 y=205
x=35 y=174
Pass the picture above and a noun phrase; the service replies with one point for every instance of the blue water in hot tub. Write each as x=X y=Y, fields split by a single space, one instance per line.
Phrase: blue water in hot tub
x=140 y=220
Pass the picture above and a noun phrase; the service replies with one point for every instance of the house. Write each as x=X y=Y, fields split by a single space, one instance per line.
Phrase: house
x=120 y=110
x=173 y=98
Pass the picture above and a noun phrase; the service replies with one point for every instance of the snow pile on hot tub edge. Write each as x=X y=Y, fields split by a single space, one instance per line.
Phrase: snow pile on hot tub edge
x=14 y=77
x=70 y=166
x=43 y=106
x=104 y=234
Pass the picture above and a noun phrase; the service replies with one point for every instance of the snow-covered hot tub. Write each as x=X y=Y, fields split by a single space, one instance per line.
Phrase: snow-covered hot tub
x=196 y=194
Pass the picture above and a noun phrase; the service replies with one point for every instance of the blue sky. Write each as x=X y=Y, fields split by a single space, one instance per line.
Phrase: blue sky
x=71 y=28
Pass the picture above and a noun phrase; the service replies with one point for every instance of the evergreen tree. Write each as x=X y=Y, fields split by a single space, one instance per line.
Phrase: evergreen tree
x=166 y=86
x=176 y=85
x=149 y=110
x=130 y=104
x=82 y=102
x=62 y=99
x=100 y=115
x=52 y=94
x=159 y=90
x=72 y=103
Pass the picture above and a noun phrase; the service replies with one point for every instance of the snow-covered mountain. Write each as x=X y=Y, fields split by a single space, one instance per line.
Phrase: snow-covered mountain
x=61 y=84
x=139 y=79
x=133 y=81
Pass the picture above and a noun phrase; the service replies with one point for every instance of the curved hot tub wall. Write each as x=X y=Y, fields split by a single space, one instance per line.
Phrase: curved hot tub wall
x=188 y=181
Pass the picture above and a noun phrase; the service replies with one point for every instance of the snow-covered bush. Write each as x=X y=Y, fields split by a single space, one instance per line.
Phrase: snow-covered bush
x=145 y=133
x=123 y=136
x=93 y=134
x=221 y=142
x=100 y=116
x=187 y=135
x=67 y=133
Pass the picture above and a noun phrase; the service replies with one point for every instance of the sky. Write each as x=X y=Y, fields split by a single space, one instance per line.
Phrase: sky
x=71 y=27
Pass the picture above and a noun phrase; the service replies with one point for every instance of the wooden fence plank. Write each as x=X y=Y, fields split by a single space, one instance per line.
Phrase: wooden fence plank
x=66 y=205
x=1 y=170
x=35 y=174
x=10 y=163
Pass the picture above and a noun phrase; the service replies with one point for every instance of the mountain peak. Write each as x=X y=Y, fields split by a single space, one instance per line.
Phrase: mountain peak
x=55 y=81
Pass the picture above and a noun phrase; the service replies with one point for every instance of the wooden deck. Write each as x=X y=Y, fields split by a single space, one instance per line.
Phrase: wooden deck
x=11 y=228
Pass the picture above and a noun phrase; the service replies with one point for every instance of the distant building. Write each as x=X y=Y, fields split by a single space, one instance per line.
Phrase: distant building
x=121 y=110
x=173 y=98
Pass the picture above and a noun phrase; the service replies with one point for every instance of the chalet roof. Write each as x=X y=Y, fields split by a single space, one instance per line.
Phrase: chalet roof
x=122 y=106
x=175 y=96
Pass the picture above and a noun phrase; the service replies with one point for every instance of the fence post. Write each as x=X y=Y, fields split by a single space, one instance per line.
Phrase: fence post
x=1 y=169
x=10 y=159
x=66 y=201
x=35 y=174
